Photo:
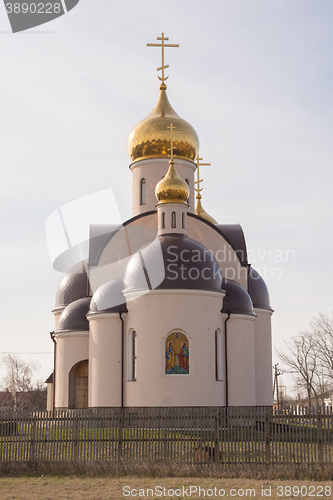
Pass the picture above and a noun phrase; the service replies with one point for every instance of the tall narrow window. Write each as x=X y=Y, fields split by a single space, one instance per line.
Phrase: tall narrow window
x=218 y=354
x=183 y=220
x=132 y=355
x=177 y=354
x=134 y=358
x=188 y=183
x=173 y=219
x=143 y=192
x=163 y=220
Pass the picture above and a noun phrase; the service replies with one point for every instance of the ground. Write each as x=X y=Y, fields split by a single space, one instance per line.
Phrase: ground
x=117 y=488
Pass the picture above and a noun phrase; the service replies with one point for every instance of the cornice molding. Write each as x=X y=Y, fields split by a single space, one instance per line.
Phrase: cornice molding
x=71 y=333
x=103 y=315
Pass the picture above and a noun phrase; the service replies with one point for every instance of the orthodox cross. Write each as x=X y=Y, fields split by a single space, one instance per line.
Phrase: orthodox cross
x=163 y=45
x=172 y=132
x=198 y=189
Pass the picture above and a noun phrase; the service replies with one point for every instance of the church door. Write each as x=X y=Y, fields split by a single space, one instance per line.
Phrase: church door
x=78 y=385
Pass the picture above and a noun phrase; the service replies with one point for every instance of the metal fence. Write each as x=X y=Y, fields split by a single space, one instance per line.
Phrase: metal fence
x=192 y=435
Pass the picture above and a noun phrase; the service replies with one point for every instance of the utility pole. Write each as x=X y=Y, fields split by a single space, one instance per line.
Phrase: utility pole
x=277 y=373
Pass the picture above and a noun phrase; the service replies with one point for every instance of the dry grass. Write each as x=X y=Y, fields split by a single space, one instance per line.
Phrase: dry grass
x=105 y=488
x=168 y=470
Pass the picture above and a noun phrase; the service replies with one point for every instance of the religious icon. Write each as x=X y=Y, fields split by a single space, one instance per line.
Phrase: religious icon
x=177 y=354
x=183 y=358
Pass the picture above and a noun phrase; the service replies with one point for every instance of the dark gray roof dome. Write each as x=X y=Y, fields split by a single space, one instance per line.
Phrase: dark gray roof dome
x=109 y=298
x=258 y=290
x=173 y=262
x=73 y=286
x=73 y=317
x=237 y=300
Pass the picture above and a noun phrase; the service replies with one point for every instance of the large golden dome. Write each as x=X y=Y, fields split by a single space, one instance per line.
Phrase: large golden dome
x=150 y=138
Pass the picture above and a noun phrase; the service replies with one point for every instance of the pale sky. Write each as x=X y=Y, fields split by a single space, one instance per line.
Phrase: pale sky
x=253 y=77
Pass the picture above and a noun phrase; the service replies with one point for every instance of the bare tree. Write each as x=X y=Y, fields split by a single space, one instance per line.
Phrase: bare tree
x=309 y=357
x=301 y=360
x=25 y=394
x=322 y=330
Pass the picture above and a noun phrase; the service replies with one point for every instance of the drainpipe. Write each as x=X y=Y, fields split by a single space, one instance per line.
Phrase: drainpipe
x=226 y=362
x=52 y=335
x=122 y=360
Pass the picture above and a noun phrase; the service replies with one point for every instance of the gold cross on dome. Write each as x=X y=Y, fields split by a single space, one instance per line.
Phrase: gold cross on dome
x=198 y=189
x=172 y=132
x=163 y=45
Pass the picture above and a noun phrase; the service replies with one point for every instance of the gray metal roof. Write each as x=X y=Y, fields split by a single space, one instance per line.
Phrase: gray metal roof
x=258 y=290
x=109 y=298
x=237 y=300
x=233 y=233
x=123 y=240
x=172 y=262
x=73 y=317
x=73 y=286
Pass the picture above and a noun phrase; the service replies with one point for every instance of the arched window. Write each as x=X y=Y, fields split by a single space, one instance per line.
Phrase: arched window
x=132 y=355
x=177 y=354
x=218 y=354
x=163 y=220
x=183 y=220
x=188 y=183
x=143 y=192
x=173 y=219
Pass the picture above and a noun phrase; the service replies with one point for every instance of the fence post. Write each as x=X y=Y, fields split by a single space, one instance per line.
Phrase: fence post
x=267 y=438
x=319 y=436
x=216 y=439
x=165 y=436
x=32 y=439
x=120 y=434
x=76 y=437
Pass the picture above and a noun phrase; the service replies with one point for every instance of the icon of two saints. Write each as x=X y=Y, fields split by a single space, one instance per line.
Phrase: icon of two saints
x=177 y=354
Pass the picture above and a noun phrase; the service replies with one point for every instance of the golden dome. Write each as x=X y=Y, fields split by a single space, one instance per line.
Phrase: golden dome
x=199 y=210
x=150 y=138
x=172 y=188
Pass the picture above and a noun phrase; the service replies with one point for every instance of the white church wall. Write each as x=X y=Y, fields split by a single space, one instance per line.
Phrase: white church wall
x=241 y=358
x=263 y=357
x=153 y=316
x=172 y=218
x=49 y=396
x=223 y=252
x=105 y=341
x=153 y=170
x=72 y=347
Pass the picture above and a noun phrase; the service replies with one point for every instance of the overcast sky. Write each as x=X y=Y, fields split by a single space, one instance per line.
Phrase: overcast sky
x=253 y=77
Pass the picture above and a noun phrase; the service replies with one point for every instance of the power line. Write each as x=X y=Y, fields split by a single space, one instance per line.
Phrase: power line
x=6 y=352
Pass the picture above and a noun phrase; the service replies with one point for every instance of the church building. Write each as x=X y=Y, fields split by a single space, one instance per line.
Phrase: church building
x=167 y=310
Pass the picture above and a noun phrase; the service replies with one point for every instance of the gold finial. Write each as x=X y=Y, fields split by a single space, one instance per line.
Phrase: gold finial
x=163 y=67
x=199 y=210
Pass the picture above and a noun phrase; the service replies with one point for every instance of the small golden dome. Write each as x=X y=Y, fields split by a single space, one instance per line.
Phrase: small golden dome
x=172 y=188
x=150 y=138
x=199 y=210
